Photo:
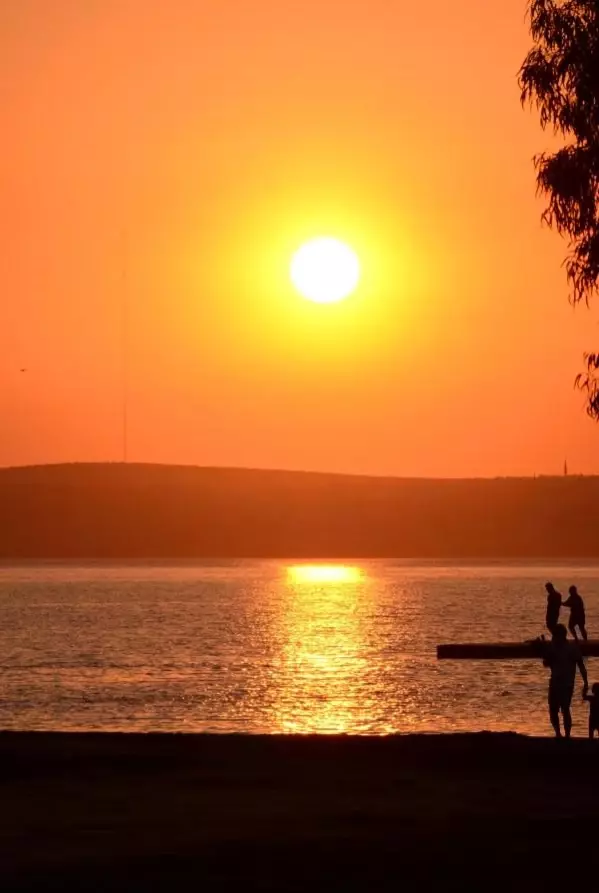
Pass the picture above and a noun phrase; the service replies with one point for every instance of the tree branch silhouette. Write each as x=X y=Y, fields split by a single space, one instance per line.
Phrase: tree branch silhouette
x=560 y=78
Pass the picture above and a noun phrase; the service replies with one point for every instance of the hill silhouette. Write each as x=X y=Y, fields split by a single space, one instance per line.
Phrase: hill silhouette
x=157 y=511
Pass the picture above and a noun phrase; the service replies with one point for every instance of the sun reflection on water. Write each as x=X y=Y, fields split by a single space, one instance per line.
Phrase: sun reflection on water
x=324 y=662
x=324 y=573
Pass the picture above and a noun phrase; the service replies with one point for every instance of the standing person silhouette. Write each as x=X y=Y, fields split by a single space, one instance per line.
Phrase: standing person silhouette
x=562 y=656
x=554 y=603
x=593 y=700
x=577 y=613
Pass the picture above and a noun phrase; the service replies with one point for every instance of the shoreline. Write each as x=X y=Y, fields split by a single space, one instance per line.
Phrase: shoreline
x=149 y=811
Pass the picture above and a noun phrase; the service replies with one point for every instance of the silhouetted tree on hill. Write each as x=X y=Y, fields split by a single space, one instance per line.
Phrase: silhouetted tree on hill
x=560 y=76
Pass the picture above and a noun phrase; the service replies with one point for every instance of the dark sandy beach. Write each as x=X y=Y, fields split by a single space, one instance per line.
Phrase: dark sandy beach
x=124 y=812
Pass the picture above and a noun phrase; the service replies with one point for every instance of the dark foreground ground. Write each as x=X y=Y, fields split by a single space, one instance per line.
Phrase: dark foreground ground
x=129 y=812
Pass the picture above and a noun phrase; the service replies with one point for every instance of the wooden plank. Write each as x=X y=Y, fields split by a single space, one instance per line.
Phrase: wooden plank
x=505 y=650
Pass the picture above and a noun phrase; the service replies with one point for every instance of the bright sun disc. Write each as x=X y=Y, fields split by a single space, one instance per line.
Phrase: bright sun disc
x=325 y=270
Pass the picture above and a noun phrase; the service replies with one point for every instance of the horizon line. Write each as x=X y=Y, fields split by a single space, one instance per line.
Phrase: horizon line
x=293 y=471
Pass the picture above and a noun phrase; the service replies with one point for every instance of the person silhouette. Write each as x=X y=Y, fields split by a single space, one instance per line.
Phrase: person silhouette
x=562 y=656
x=577 y=613
x=554 y=603
x=594 y=709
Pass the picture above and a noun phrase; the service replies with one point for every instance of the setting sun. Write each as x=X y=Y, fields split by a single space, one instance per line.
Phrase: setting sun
x=325 y=270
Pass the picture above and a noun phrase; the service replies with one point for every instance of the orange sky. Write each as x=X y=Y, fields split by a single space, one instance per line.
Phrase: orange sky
x=213 y=138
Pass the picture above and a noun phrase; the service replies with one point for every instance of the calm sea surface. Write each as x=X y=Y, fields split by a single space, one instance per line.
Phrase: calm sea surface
x=273 y=647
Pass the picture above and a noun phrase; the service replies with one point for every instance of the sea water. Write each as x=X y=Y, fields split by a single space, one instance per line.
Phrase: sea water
x=276 y=647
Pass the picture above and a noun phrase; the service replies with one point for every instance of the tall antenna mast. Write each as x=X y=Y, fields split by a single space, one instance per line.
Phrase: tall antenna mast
x=125 y=349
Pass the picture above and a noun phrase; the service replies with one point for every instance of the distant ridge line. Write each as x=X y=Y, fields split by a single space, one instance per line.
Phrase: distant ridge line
x=145 y=511
x=285 y=471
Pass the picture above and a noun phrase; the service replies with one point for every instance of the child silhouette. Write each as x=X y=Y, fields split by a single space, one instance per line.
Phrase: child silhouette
x=593 y=700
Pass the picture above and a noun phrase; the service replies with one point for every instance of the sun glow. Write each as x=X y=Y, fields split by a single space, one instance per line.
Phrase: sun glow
x=324 y=573
x=325 y=270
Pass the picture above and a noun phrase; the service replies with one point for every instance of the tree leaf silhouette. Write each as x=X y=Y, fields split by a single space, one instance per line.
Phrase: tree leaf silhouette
x=560 y=78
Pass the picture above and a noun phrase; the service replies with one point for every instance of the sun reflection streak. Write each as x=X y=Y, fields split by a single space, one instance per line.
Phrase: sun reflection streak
x=324 y=573
x=324 y=660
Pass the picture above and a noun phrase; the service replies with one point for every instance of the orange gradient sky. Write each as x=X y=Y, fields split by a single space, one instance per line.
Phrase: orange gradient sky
x=204 y=142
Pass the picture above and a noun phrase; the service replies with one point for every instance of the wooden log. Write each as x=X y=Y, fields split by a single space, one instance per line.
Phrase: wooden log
x=506 y=650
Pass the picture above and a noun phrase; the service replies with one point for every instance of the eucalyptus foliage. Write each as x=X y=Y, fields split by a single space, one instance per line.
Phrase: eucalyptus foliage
x=560 y=78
